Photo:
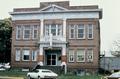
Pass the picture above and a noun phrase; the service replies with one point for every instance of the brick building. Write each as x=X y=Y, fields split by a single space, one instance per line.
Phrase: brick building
x=56 y=34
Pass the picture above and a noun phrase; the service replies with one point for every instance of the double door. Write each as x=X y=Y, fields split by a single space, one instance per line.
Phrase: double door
x=52 y=59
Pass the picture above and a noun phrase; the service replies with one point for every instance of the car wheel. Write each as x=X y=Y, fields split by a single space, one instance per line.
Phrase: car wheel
x=39 y=77
x=29 y=77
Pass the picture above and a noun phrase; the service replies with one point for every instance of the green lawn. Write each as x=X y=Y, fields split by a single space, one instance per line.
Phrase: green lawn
x=18 y=73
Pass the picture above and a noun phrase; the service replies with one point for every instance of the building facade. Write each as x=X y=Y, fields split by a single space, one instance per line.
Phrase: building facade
x=56 y=34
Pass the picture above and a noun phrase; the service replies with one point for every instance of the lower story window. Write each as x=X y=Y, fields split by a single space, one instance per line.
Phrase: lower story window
x=81 y=55
x=17 y=56
x=34 y=55
x=71 y=56
x=26 y=55
x=90 y=55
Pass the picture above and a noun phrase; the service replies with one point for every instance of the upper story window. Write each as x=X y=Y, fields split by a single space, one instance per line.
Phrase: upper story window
x=90 y=31
x=72 y=31
x=55 y=29
x=81 y=55
x=71 y=55
x=18 y=32
x=26 y=32
x=81 y=31
x=35 y=32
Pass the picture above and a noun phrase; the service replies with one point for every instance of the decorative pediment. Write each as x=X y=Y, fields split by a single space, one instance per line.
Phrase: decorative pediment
x=53 y=8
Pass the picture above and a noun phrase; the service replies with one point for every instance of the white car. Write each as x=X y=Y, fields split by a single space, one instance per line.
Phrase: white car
x=42 y=73
x=115 y=75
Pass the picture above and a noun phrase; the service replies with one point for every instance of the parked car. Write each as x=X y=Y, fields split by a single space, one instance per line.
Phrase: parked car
x=4 y=66
x=115 y=75
x=42 y=73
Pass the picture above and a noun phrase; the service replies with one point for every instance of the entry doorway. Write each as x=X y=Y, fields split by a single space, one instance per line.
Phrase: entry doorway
x=52 y=59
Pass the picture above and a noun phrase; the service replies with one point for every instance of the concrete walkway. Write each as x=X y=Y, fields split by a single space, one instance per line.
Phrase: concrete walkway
x=4 y=77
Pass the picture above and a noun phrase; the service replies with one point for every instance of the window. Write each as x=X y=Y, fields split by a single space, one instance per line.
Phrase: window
x=55 y=29
x=34 y=55
x=72 y=31
x=59 y=29
x=47 y=31
x=71 y=56
x=81 y=31
x=80 y=55
x=90 y=31
x=26 y=55
x=35 y=32
x=17 y=56
x=27 y=31
x=18 y=31
x=89 y=55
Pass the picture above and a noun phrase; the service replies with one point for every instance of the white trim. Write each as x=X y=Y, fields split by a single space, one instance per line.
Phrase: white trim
x=88 y=31
x=64 y=28
x=83 y=53
x=63 y=11
x=83 y=32
x=41 y=27
x=55 y=15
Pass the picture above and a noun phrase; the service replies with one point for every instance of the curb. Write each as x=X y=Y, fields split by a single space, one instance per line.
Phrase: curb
x=4 y=77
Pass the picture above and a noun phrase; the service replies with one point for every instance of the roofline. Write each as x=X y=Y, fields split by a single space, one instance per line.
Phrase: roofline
x=67 y=11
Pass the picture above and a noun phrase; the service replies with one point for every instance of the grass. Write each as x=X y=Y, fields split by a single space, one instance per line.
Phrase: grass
x=19 y=73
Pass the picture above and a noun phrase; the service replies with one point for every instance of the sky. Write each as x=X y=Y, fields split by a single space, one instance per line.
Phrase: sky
x=110 y=23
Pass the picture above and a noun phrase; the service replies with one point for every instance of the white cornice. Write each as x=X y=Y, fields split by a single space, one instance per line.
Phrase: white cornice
x=67 y=11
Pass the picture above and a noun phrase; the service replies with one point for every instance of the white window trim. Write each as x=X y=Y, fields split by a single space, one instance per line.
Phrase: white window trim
x=18 y=54
x=24 y=33
x=70 y=31
x=17 y=32
x=84 y=32
x=72 y=54
x=23 y=55
x=88 y=31
x=83 y=54
x=33 y=32
x=92 y=56
x=35 y=51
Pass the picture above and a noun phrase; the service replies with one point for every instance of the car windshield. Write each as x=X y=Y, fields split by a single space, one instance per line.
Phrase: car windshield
x=35 y=71
x=46 y=71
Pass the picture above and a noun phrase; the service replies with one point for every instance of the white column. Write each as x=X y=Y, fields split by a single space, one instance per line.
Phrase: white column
x=64 y=28
x=40 y=50
x=64 y=50
x=41 y=29
x=40 y=53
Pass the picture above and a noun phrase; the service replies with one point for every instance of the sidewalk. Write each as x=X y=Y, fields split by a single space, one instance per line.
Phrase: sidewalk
x=4 y=77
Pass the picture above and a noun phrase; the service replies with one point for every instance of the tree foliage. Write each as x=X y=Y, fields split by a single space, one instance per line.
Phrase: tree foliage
x=5 y=40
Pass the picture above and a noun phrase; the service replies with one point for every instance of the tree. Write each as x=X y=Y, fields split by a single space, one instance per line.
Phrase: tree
x=5 y=40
